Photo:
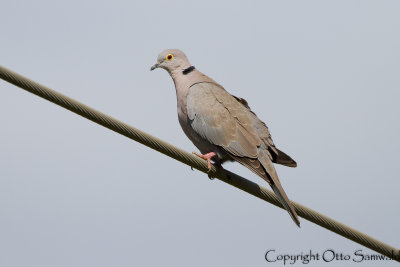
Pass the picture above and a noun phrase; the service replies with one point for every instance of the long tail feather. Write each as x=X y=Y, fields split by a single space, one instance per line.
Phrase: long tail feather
x=276 y=185
x=286 y=205
x=264 y=168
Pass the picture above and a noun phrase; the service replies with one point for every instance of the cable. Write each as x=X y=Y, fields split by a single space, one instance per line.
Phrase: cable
x=195 y=162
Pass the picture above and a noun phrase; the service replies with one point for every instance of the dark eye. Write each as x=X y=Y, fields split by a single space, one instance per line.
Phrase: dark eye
x=169 y=57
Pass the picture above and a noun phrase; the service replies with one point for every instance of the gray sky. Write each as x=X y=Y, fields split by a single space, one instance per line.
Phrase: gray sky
x=323 y=76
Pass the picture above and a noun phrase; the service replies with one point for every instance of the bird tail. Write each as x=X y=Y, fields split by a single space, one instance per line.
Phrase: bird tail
x=277 y=187
x=286 y=204
x=264 y=168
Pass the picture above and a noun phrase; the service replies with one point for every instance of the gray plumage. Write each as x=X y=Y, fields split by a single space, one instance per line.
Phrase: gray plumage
x=216 y=121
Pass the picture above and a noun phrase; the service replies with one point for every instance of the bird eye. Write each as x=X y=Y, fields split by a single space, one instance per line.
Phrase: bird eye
x=169 y=57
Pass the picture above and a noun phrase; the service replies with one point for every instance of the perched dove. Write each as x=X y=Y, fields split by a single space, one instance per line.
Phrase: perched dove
x=222 y=126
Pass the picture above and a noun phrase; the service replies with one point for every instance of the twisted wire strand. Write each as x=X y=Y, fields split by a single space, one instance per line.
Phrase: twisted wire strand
x=195 y=162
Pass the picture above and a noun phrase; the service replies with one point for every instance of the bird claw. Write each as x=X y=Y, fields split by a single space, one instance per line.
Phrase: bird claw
x=210 y=177
x=207 y=157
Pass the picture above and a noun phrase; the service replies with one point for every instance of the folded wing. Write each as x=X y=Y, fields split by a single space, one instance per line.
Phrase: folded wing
x=222 y=120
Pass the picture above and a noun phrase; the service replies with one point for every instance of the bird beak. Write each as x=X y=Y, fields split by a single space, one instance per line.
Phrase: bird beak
x=155 y=66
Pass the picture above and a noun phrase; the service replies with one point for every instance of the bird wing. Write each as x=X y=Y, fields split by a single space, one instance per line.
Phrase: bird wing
x=217 y=117
x=222 y=120
x=277 y=155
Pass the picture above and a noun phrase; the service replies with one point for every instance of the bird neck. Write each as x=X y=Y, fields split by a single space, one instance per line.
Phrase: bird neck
x=188 y=70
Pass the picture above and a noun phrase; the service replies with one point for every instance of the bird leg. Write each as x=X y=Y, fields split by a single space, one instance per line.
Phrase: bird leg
x=207 y=157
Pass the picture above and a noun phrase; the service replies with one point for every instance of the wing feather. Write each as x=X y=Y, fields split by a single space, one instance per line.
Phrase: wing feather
x=276 y=155
x=217 y=117
x=227 y=122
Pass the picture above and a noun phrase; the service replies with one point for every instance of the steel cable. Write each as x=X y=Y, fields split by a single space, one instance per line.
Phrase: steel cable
x=195 y=162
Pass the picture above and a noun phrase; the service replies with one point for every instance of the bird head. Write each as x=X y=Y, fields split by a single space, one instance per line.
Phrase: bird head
x=171 y=60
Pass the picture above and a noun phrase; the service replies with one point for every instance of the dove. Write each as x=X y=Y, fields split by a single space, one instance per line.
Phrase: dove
x=222 y=126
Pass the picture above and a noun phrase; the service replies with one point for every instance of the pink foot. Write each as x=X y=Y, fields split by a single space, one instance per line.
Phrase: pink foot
x=207 y=157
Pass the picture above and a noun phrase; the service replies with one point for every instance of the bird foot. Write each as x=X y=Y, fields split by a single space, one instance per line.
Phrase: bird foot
x=207 y=157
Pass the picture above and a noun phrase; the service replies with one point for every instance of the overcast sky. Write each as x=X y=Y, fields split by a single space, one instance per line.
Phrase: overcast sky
x=323 y=75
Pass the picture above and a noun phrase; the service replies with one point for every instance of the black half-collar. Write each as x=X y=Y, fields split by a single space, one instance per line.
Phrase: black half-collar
x=188 y=70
